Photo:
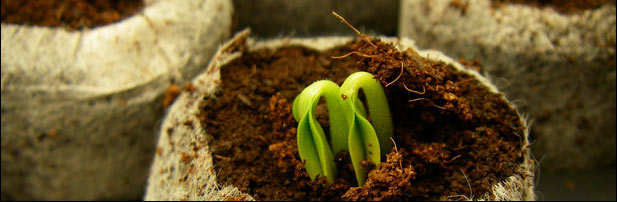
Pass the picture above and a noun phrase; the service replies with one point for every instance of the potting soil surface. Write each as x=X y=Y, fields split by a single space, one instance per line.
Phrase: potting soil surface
x=454 y=139
x=72 y=14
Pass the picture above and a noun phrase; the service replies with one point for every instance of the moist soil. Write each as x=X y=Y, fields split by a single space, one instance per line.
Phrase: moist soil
x=71 y=14
x=562 y=6
x=454 y=139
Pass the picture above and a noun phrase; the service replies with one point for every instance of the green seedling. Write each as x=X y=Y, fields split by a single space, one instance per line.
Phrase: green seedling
x=350 y=128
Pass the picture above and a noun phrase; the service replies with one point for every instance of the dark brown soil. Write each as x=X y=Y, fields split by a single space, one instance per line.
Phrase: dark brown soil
x=453 y=137
x=71 y=14
x=562 y=6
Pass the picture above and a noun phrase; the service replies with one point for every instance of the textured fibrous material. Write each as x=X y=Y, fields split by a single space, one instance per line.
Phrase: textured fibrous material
x=80 y=110
x=183 y=168
x=559 y=68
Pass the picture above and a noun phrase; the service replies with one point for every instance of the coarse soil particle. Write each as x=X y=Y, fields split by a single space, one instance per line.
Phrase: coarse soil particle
x=562 y=6
x=71 y=14
x=453 y=136
x=171 y=93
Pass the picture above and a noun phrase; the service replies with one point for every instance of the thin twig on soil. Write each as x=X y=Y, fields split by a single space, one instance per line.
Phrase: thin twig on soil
x=413 y=91
x=399 y=76
x=452 y=159
x=468 y=184
x=395 y=147
x=466 y=198
x=222 y=157
x=418 y=99
x=464 y=81
x=354 y=29
x=354 y=52
x=400 y=162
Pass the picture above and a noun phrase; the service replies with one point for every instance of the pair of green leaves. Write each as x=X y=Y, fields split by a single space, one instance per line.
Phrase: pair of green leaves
x=350 y=129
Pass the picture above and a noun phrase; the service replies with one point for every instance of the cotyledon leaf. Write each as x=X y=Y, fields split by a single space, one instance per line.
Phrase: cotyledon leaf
x=308 y=149
x=377 y=104
x=363 y=144
x=318 y=149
